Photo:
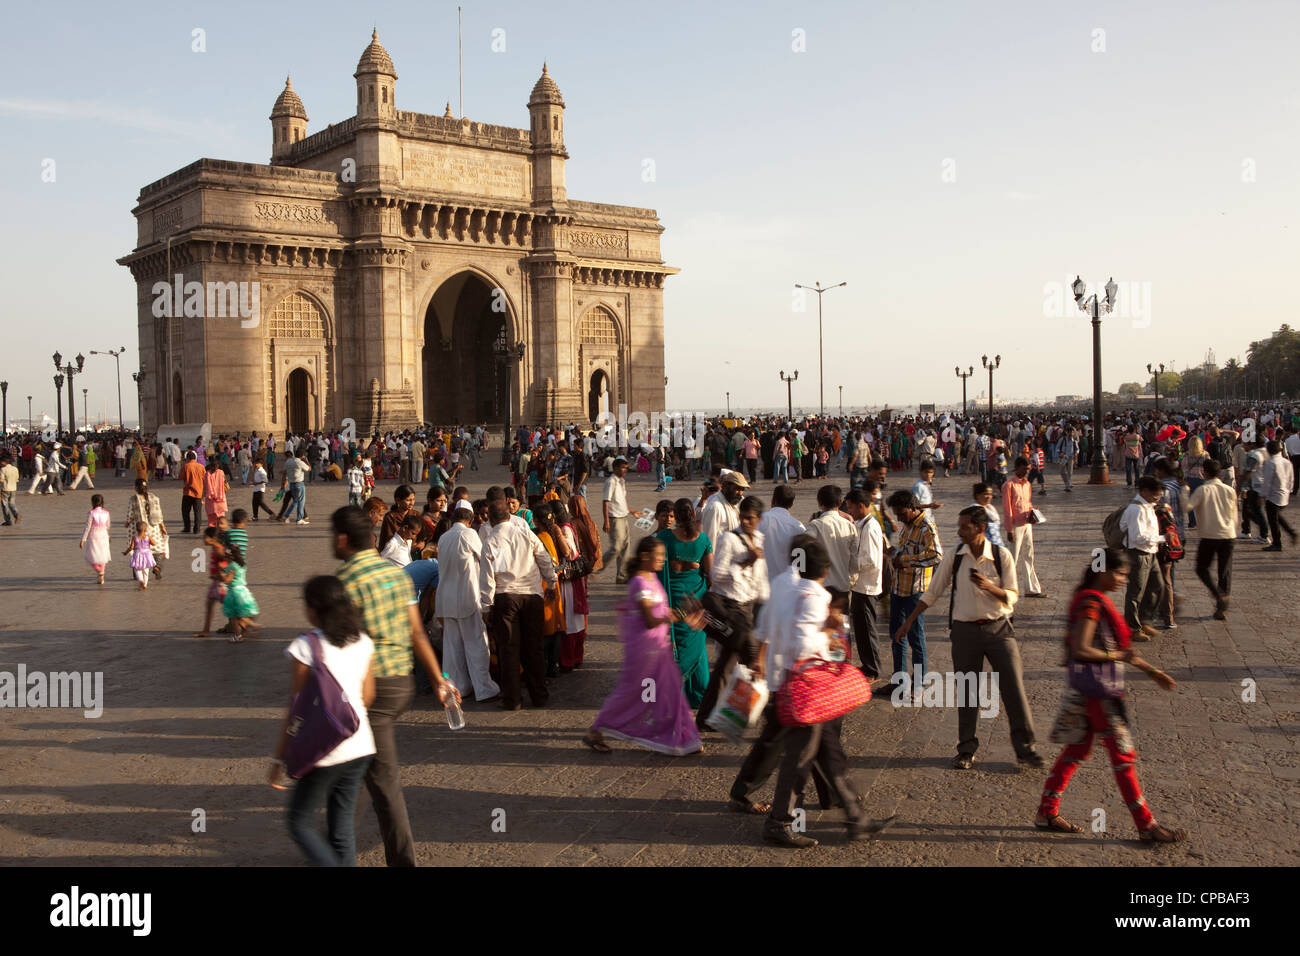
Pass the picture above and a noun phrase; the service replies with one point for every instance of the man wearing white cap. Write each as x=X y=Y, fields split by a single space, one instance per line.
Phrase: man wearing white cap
x=465 y=586
x=721 y=512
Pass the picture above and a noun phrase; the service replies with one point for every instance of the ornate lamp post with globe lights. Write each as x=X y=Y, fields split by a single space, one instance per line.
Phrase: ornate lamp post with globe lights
x=507 y=356
x=70 y=371
x=138 y=378
x=996 y=363
x=1094 y=305
x=1155 y=371
x=789 y=381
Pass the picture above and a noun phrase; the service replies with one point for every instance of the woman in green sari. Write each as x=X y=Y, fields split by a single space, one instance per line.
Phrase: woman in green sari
x=685 y=577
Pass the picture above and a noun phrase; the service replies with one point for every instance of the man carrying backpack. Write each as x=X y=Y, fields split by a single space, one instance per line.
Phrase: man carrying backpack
x=1215 y=505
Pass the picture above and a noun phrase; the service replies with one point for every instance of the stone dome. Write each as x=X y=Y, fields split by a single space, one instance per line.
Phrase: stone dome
x=288 y=103
x=375 y=59
x=545 y=91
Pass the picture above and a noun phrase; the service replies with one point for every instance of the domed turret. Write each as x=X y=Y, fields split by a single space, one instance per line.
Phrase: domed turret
x=546 y=111
x=376 y=82
x=288 y=121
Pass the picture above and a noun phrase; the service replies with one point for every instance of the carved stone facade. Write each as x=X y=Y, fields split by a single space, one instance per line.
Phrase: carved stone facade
x=391 y=264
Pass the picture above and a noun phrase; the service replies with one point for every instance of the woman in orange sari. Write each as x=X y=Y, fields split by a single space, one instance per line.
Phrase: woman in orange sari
x=553 y=611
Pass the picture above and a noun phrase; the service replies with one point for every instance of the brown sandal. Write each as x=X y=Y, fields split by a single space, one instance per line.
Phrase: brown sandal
x=597 y=744
x=1159 y=834
x=1058 y=823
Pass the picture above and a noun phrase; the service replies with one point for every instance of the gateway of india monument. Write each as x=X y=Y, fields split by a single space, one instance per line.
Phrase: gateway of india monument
x=394 y=268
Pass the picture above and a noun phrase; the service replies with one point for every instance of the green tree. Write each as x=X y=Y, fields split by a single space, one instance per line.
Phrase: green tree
x=1129 y=389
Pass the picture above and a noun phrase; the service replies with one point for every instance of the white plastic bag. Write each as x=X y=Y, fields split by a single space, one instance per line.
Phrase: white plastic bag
x=740 y=703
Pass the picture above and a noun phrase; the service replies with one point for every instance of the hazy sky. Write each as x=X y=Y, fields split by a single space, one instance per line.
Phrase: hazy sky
x=950 y=161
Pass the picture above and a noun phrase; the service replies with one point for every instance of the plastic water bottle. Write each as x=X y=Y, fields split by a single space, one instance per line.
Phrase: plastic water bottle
x=455 y=716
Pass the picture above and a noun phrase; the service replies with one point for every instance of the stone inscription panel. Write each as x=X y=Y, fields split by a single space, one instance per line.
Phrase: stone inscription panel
x=473 y=172
x=599 y=243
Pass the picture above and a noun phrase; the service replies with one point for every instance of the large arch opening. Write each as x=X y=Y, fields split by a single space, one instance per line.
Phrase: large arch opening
x=298 y=401
x=464 y=327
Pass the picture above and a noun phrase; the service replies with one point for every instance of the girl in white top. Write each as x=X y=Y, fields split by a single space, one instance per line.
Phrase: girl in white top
x=346 y=652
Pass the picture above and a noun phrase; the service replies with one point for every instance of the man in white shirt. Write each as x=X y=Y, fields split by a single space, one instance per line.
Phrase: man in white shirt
x=835 y=530
x=720 y=513
x=1142 y=538
x=868 y=564
x=522 y=573
x=778 y=528
x=614 y=504
x=738 y=584
x=1292 y=448
x=1215 y=505
x=466 y=585
x=1276 y=477
x=803 y=633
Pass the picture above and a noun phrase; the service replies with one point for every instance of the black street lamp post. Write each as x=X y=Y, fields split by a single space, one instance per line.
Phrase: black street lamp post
x=963 y=376
x=789 y=381
x=4 y=416
x=138 y=378
x=507 y=356
x=820 y=289
x=996 y=363
x=1155 y=371
x=70 y=371
x=58 y=398
x=29 y=414
x=1094 y=305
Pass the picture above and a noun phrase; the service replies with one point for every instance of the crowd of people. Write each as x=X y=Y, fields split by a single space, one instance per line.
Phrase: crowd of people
x=497 y=588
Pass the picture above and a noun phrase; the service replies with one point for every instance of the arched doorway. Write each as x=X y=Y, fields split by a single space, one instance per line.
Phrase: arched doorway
x=297 y=398
x=178 y=399
x=598 y=394
x=464 y=326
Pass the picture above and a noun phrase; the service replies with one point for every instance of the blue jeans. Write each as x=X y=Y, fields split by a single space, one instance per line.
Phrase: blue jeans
x=659 y=476
x=298 y=494
x=1132 y=470
x=900 y=606
x=336 y=787
x=781 y=470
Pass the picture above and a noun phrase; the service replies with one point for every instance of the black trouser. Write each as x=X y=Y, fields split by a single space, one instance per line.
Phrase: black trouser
x=752 y=465
x=259 y=502
x=517 y=622
x=731 y=624
x=763 y=757
x=862 y=609
x=1295 y=481
x=807 y=748
x=1276 y=523
x=1253 y=512
x=1207 y=549
x=383 y=776
x=188 y=504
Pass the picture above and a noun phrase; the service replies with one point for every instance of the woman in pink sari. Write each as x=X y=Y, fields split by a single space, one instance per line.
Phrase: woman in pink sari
x=647 y=707
x=214 y=492
x=574 y=592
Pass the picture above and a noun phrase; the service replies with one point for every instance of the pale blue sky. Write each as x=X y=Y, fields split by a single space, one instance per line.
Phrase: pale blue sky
x=772 y=167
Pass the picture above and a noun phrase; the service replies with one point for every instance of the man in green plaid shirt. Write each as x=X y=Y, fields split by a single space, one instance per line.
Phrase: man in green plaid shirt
x=916 y=553
x=384 y=594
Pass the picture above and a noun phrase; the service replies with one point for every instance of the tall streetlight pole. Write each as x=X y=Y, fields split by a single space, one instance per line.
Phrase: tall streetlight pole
x=841 y=401
x=996 y=363
x=117 y=357
x=1155 y=371
x=85 y=409
x=58 y=398
x=789 y=381
x=963 y=376
x=819 y=289
x=1094 y=305
x=728 y=404
x=70 y=371
x=508 y=356
x=4 y=416
x=29 y=414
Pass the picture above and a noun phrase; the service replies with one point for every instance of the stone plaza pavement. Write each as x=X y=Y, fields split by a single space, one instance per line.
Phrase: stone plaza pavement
x=187 y=725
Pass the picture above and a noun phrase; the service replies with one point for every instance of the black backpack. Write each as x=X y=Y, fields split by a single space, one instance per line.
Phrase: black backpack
x=956 y=566
x=1221 y=453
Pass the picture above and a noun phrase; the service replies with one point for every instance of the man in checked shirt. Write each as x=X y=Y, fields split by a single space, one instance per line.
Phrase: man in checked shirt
x=914 y=556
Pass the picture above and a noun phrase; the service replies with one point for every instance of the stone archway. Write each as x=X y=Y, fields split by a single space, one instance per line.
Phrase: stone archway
x=466 y=323
x=299 y=401
x=598 y=394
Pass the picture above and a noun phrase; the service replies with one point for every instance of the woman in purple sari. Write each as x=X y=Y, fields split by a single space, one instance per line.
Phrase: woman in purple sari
x=647 y=706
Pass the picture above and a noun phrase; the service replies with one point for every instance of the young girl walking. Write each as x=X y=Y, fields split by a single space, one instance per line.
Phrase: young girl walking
x=239 y=605
x=141 y=553
x=218 y=565
x=94 y=539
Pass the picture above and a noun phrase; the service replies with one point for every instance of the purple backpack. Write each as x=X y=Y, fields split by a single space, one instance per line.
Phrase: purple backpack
x=320 y=718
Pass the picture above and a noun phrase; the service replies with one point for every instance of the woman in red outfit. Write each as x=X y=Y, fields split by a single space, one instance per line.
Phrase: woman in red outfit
x=1094 y=704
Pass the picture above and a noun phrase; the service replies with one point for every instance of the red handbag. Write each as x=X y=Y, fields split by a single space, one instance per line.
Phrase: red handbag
x=816 y=691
